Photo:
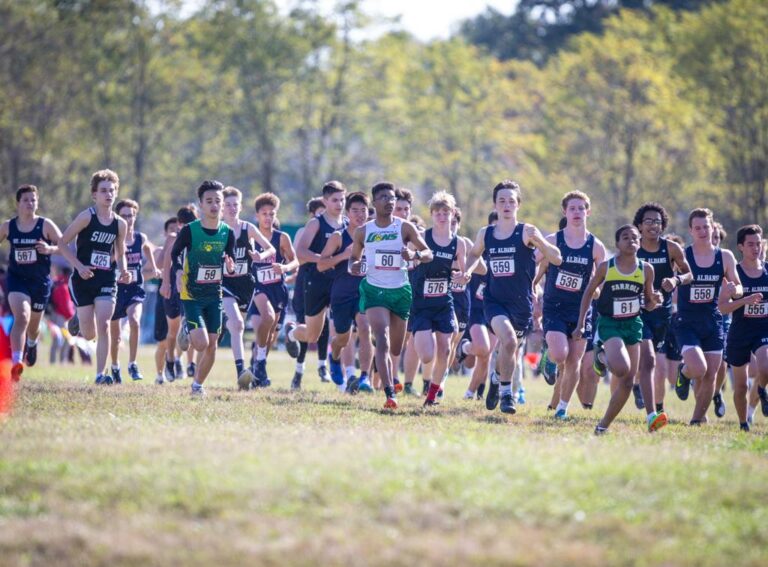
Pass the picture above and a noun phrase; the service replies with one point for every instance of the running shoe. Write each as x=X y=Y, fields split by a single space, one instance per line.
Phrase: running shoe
x=507 y=404
x=244 y=379
x=598 y=365
x=480 y=391
x=460 y=356
x=178 y=370
x=182 y=337
x=469 y=395
x=291 y=345
x=408 y=390
x=259 y=378
x=197 y=391
x=547 y=368
x=425 y=387
x=170 y=373
x=16 y=371
x=440 y=392
x=337 y=372
x=638 y=393
x=744 y=427
x=390 y=404
x=133 y=372
x=365 y=386
x=322 y=372
x=521 y=395
x=30 y=354
x=73 y=326
x=762 y=393
x=717 y=400
x=430 y=403
x=159 y=380
x=116 y=377
x=296 y=382
x=683 y=384
x=492 y=398
x=657 y=420
x=353 y=385
x=562 y=415
x=398 y=386
x=103 y=379
x=600 y=430
x=191 y=367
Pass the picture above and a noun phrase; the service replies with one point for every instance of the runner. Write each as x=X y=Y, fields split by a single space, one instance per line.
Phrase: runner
x=434 y=319
x=345 y=297
x=100 y=245
x=698 y=326
x=718 y=237
x=563 y=290
x=748 y=334
x=208 y=246
x=626 y=281
x=130 y=297
x=385 y=294
x=670 y=269
x=238 y=288
x=513 y=249
x=170 y=226
x=270 y=295
x=33 y=239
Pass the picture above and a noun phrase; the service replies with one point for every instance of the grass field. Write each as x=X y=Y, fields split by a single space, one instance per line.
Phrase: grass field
x=142 y=475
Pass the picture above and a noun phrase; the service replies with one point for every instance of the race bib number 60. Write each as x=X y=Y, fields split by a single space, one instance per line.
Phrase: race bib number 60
x=209 y=274
x=388 y=260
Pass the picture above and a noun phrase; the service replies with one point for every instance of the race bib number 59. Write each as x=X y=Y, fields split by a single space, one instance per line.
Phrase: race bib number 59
x=209 y=275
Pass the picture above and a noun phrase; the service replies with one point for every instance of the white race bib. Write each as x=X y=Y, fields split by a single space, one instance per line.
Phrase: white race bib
x=626 y=307
x=363 y=268
x=503 y=267
x=267 y=275
x=209 y=274
x=480 y=290
x=458 y=288
x=702 y=293
x=241 y=269
x=758 y=310
x=134 y=274
x=388 y=260
x=568 y=282
x=100 y=260
x=435 y=288
x=25 y=255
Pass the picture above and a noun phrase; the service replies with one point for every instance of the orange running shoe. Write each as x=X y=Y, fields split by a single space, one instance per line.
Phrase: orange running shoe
x=398 y=387
x=16 y=371
x=657 y=420
x=390 y=404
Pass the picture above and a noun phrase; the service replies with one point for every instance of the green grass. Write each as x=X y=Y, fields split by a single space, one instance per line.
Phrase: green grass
x=143 y=475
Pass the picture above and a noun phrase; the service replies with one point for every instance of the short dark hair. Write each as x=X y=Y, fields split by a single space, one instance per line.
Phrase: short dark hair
x=403 y=194
x=748 y=230
x=169 y=222
x=266 y=200
x=186 y=215
x=720 y=231
x=356 y=197
x=493 y=217
x=507 y=184
x=332 y=187
x=130 y=203
x=700 y=214
x=382 y=186
x=457 y=214
x=651 y=206
x=563 y=223
x=623 y=228
x=209 y=185
x=230 y=191
x=104 y=175
x=25 y=189
x=315 y=203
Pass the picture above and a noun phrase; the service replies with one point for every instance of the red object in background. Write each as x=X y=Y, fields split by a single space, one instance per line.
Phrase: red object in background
x=532 y=358
x=6 y=385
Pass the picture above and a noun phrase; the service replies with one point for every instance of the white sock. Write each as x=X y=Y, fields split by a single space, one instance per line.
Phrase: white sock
x=342 y=387
x=350 y=371
x=16 y=356
x=115 y=367
x=749 y=383
x=321 y=363
x=300 y=367
x=261 y=353
x=131 y=363
x=751 y=412
x=465 y=347
x=469 y=394
x=30 y=342
x=649 y=414
x=562 y=406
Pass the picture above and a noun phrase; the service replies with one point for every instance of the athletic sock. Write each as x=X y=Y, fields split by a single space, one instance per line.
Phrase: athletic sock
x=239 y=365
x=261 y=353
x=562 y=405
x=350 y=371
x=16 y=356
x=302 y=352
x=115 y=367
x=432 y=393
x=751 y=412
x=660 y=407
x=321 y=361
x=30 y=342
x=300 y=367
x=389 y=391
x=505 y=388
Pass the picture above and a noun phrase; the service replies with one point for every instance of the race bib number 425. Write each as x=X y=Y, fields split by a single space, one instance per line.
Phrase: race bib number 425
x=25 y=255
x=503 y=267
x=100 y=260
x=702 y=293
x=388 y=260
x=209 y=275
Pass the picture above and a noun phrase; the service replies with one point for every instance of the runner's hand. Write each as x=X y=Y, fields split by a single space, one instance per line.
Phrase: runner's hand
x=124 y=277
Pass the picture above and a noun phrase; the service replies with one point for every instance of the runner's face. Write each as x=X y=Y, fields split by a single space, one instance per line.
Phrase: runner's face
x=442 y=217
x=385 y=202
x=266 y=216
x=105 y=194
x=334 y=203
x=701 y=229
x=752 y=247
x=357 y=214
x=210 y=204
x=28 y=203
x=506 y=203
x=173 y=227
x=232 y=208
x=576 y=212
x=455 y=225
x=715 y=237
x=629 y=241
x=651 y=225
x=403 y=209
x=128 y=214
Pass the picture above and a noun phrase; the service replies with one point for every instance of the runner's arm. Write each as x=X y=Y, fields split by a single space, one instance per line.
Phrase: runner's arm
x=286 y=248
x=329 y=256
x=267 y=250
x=475 y=254
x=422 y=253
x=70 y=233
x=684 y=275
x=303 y=252
x=586 y=299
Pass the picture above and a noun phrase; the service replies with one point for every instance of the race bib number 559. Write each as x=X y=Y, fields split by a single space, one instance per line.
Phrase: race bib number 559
x=503 y=267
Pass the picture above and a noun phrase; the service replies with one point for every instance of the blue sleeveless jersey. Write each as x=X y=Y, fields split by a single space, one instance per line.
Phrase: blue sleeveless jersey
x=432 y=280
x=318 y=243
x=511 y=269
x=95 y=244
x=262 y=272
x=699 y=299
x=345 y=285
x=662 y=268
x=25 y=262
x=565 y=284
x=133 y=259
x=751 y=320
